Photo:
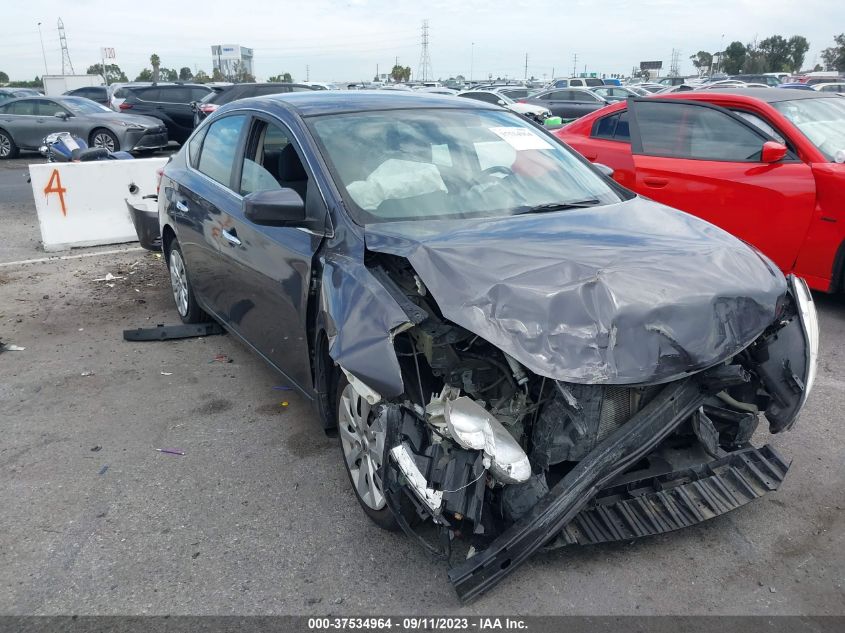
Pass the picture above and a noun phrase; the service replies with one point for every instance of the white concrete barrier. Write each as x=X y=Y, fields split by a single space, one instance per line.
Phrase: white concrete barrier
x=83 y=204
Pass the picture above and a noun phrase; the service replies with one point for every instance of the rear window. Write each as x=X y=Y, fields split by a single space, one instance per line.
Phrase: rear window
x=174 y=94
x=592 y=81
x=613 y=128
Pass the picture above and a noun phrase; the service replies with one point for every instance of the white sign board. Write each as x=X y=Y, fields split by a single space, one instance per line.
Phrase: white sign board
x=107 y=53
x=84 y=204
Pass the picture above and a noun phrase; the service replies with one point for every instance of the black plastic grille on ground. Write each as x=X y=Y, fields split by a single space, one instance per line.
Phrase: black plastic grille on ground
x=679 y=499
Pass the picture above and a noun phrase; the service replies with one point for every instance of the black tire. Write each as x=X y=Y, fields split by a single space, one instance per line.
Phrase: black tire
x=183 y=293
x=382 y=517
x=101 y=137
x=8 y=149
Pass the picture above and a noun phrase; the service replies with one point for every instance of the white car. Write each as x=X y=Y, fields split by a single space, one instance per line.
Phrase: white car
x=532 y=111
x=838 y=87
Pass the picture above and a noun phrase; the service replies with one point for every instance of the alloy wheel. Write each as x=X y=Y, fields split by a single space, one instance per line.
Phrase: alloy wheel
x=179 y=282
x=5 y=146
x=362 y=438
x=103 y=139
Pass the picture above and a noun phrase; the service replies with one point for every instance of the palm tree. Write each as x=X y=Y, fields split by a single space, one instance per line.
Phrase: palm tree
x=155 y=62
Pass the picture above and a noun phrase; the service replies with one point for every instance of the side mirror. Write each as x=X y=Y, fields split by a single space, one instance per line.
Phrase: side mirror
x=501 y=102
x=276 y=207
x=772 y=152
x=604 y=169
x=61 y=115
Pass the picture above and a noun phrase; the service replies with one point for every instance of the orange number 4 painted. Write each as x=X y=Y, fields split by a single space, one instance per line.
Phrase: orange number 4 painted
x=54 y=185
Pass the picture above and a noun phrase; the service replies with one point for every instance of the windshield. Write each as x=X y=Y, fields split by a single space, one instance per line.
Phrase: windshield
x=427 y=164
x=822 y=121
x=80 y=105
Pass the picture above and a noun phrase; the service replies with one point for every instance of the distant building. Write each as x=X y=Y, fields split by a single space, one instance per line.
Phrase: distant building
x=231 y=60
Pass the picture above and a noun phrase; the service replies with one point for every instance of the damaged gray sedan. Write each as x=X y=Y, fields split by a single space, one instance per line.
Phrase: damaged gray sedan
x=516 y=352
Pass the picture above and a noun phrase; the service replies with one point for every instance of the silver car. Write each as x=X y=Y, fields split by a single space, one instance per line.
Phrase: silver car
x=25 y=122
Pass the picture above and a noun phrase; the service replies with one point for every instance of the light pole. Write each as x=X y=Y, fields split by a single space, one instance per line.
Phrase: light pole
x=471 y=60
x=43 y=52
x=721 y=53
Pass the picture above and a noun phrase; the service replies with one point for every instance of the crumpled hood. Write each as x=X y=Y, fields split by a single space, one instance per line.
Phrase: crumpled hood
x=628 y=293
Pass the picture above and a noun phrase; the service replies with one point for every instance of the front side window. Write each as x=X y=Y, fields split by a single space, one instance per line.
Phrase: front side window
x=426 y=164
x=272 y=162
x=681 y=130
x=217 y=156
x=821 y=120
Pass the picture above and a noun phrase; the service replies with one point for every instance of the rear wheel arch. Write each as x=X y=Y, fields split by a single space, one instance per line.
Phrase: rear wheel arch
x=167 y=237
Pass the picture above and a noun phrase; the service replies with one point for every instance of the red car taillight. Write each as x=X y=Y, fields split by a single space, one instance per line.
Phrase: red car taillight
x=208 y=108
x=125 y=106
x=522 y=101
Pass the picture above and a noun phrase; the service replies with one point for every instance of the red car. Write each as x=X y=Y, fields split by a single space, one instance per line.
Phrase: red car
x=764 y=164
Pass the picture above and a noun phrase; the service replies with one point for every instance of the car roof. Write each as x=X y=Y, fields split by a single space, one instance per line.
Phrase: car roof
x=316 y=102
x=769 y=95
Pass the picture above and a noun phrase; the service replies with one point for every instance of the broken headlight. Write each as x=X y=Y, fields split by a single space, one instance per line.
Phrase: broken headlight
x=473 y=427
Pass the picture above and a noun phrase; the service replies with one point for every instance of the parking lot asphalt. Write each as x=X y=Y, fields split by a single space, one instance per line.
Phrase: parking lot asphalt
x=257 y=517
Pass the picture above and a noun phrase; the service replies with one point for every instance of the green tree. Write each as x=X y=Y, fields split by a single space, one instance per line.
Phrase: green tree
x=185 y=74
x=798 y=47
x=201 y=77
x=775 y=53
x=4 y=78
x=834 y=57
x=216 y=75
x=155 y=62
x=112 y=74
x=734 y=58
x=145 y=75
x=167 y=74
x=702 y=60
x=755 y=60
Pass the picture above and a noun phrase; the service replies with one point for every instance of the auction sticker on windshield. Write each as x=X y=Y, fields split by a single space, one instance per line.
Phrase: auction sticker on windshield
x=521 y=138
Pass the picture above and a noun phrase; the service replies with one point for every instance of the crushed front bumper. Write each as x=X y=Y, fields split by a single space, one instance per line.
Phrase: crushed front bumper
x=655 y=505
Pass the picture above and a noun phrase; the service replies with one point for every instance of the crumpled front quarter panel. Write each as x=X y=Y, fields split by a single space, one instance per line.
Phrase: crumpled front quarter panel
x=360 y=315
x=628 y=293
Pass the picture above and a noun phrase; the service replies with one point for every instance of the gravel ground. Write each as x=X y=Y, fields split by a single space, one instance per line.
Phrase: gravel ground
x=258 y=517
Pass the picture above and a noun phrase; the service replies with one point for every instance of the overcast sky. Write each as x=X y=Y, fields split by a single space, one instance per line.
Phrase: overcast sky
x=346 y=40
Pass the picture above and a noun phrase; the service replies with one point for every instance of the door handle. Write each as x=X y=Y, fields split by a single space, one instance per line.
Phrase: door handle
x=657 y=183
x=231 y=236
x=181 y=206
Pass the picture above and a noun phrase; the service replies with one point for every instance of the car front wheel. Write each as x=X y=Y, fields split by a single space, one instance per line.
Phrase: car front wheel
x=183 y=294
x=103 y=138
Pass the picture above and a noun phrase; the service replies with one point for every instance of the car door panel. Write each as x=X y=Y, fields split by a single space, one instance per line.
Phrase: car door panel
x=271 y=266
x=769 y=205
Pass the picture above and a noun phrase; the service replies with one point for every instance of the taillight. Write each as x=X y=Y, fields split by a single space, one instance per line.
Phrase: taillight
x=522 y=101
x=125 y=106
x=159 y=174
x=208 y=108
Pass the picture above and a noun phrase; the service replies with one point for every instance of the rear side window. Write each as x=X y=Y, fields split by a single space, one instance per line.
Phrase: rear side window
x=27 y=107
x=194 y=146
x=175 y=94
x=592 y=81
x=613 y=128
x=486 y=97
x=217 y=156
x=199 y=93
x=146 y=94
x=696 y=132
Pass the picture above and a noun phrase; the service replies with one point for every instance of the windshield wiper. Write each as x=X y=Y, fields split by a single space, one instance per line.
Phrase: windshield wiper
x=556 y=206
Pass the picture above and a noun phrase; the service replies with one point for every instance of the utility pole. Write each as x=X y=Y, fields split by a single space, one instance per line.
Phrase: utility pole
x=43 y=52
x=674 y=66
x=471 y=59
x=66 y=65
x=425 y=60
x=526 y=66
x=574 y=64
x=307 y=72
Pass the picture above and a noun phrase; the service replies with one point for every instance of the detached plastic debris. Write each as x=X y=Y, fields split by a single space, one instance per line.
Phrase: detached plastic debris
x=8 y=347
x=87 y=373
x=167 y=373
x=109 y=277
x=171 y=451
x=220 y=358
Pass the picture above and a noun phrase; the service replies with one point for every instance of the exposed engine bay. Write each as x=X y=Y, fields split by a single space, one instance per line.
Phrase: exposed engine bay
x=481 y=447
